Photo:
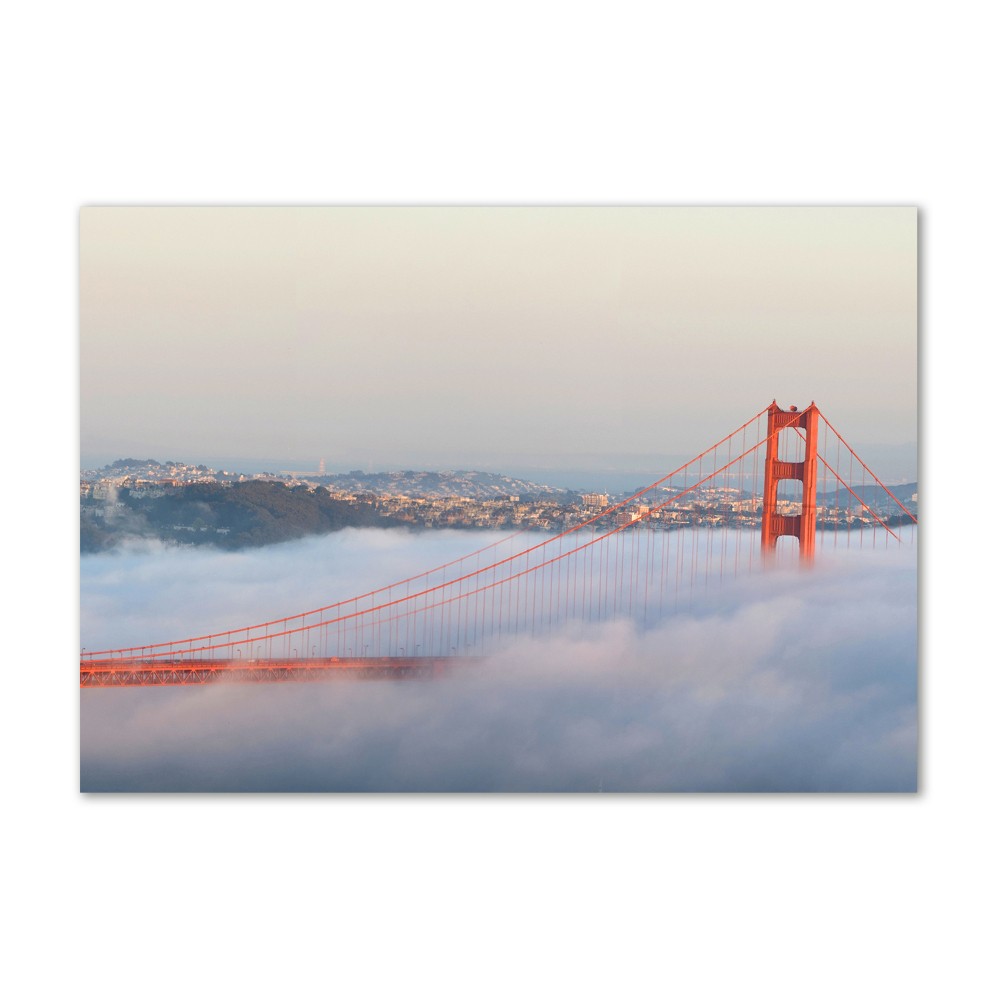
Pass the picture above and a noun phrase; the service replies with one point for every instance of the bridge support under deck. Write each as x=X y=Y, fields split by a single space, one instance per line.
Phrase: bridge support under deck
x=172 y=673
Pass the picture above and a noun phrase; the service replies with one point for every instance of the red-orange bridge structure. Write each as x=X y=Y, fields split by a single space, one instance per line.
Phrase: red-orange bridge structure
x=784 y=473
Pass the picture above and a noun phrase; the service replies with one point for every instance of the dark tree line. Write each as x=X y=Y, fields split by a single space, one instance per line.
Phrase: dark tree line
x=255 y=513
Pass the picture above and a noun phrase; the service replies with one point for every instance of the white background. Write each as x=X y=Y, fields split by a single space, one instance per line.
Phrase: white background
x=516 y=103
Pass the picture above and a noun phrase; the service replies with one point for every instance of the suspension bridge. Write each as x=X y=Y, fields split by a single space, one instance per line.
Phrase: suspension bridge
x=784 y=474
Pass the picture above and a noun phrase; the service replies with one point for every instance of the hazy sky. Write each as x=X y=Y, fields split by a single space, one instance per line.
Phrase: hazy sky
x=498 y=338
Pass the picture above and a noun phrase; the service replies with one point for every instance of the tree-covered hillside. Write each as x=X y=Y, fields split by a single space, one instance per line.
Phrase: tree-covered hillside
x=245 y=514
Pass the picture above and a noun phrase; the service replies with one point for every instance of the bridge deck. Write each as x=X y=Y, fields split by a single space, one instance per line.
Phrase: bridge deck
x=159 y=672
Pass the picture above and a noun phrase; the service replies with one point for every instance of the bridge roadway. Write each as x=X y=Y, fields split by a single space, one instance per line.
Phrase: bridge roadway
x=178 y=672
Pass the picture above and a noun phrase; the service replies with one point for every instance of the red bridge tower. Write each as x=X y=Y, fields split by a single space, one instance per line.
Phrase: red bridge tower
x=773 y=524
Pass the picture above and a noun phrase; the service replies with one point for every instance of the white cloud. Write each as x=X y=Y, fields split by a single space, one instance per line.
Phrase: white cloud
x=779 y=682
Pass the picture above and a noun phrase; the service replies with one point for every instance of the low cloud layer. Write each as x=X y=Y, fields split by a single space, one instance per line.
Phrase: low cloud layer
x=782 y=682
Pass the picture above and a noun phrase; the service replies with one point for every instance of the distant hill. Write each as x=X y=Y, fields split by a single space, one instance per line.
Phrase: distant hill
x=133 y=463
x=871 y=494
x=477 y=485
x=247 y=514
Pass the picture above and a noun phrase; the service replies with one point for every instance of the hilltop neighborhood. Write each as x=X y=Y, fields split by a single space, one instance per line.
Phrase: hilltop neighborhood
x=193 y=504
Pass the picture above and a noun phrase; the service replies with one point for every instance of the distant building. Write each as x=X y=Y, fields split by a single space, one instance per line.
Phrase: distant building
x=322 y=468
x=595 y=499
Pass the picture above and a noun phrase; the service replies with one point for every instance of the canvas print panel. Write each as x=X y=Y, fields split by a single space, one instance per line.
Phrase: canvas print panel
x=499 y=499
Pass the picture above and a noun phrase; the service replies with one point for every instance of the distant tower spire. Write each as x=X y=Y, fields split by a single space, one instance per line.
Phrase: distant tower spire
x=322 y=468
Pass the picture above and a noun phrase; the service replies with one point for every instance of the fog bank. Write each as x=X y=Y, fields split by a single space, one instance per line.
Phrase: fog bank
x=784 y=682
